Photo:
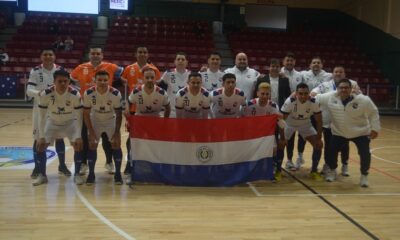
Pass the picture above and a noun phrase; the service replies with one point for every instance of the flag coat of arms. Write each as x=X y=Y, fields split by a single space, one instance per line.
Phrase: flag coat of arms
x=202 y=152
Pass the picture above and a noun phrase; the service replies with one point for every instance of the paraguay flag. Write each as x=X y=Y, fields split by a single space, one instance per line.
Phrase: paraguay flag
x=202 y=152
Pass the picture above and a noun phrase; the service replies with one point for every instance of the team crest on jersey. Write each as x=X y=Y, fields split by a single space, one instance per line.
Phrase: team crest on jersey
x=61 y=110
x=132 y=72
x=85 y=71
x=68 y=103
x=355 y=105
x=308 y=110
x=204 y=154
x=235 y=104
x=155 y=102
x=109 y=102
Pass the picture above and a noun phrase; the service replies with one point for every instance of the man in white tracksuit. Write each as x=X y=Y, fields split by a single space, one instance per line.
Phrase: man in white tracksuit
x=354 y=118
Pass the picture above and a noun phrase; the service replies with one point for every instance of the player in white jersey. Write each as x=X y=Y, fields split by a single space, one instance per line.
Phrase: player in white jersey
x=261 y=106
x=40 y=78
x=212 y=75
x=298 y=111
x=325 y=87
x=295 y=78
x=175 y=79
x=103 y=114
x=60 y=116
x=193 y=101
x=228 y=101
x=246 y=77
x=288 y=70
x=315 y=76
x=148 y=98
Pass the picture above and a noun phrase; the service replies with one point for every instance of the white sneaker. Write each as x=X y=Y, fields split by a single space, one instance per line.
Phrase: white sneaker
x=84 y=169
x=40 y=180
x=128 y=179
x=345 y=170
x=364 y=180
x=289 y=165
x=109 y=167
x=78 y=180
x=299 y=162
x=325 y=169
x=330 y=175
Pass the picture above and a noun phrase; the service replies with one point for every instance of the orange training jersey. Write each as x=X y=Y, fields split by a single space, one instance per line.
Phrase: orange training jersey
x=85 y=72
x=133 y=75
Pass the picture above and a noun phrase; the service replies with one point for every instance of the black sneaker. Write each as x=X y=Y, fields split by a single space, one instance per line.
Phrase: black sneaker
x=90 y=179
x=118 y=179
x=63 y=170
x=35 y=173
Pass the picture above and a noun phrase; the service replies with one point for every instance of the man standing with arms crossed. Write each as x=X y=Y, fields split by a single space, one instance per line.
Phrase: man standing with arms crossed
x=246 y=77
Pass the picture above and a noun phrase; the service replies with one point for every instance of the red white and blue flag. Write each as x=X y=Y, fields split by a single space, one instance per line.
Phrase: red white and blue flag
x=198 y=152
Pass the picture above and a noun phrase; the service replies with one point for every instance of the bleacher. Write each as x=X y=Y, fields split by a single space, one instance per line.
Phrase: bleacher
x=25 y=46
x=162 y=36
x=333 y=46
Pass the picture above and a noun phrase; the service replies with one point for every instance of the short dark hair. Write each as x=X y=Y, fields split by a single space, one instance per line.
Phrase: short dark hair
x=301 y=85
x=274 y=61
x=60 y=73
x=290 y=55
x=193 y=74
x=102 y=73
x=339 y=66
x=141 y=46
x=228 y=75
x=46 y=49
x=344 y=80
x=215 y=53
x=316 y=57
x=181 y=53
x=96 y=47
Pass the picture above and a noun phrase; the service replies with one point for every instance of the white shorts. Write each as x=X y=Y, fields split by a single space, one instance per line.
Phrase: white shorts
x=54 y=131
x=107 y=127
x=305 y=130
x=35 y=122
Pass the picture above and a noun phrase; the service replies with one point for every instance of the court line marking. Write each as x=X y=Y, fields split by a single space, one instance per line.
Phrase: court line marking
x=391 y=130
x=11 y=123
x=377 y=170
x=92 y=209
x=101 y=217
x=330 y=204
x=258 y=194
x=382 y=159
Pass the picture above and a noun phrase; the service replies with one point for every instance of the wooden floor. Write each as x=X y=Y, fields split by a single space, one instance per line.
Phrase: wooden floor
x=296 y=208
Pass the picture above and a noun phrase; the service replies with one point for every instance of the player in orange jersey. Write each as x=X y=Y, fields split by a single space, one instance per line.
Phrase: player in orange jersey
x=83 y=75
